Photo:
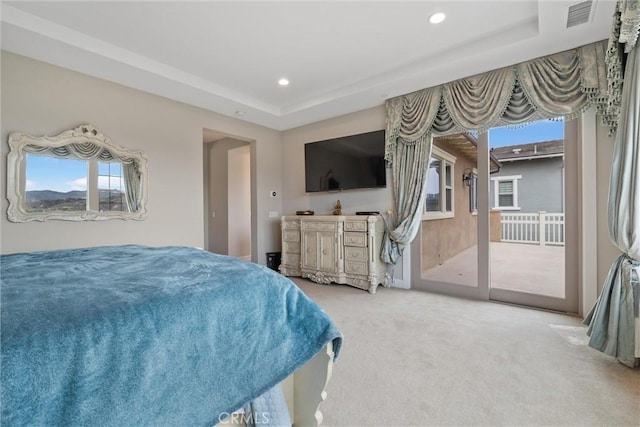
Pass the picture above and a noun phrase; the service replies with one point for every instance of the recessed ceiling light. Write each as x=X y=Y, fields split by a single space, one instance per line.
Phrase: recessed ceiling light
x=283 y=82
x=239 y=113
x=437 y=18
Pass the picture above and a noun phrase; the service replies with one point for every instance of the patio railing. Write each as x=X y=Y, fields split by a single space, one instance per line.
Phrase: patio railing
x=536 y=228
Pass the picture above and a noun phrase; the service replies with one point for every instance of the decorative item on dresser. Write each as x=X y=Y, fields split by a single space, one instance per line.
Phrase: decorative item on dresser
x=339 y=249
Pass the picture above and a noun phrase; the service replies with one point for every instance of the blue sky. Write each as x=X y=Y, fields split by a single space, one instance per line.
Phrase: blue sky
x=544 y=130
x=50 y=173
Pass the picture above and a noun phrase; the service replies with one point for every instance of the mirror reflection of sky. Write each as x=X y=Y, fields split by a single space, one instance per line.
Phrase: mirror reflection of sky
x=63 y=175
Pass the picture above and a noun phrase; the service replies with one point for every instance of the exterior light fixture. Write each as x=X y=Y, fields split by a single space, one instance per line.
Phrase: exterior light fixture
x=467 y=175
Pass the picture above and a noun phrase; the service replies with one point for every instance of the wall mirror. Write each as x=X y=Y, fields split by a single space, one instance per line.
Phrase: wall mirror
x=78 y=175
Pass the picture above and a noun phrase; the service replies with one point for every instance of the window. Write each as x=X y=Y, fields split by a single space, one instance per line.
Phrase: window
x=440 y=189
x=473 y=193
x=505 y=192
x=68 y=185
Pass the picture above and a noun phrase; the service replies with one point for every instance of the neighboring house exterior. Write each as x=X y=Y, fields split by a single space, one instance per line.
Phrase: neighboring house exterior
x=531 y=178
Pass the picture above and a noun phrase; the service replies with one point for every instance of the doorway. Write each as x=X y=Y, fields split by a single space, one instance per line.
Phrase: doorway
x=228 y=195
x=469 y=246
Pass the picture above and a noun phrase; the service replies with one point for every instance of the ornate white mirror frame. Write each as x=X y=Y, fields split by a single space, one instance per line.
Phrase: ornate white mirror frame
x=82 y=143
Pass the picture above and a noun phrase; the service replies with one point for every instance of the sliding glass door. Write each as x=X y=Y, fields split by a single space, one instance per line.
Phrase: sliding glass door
x=499 y=222
x=448 y=248
x=533 y=202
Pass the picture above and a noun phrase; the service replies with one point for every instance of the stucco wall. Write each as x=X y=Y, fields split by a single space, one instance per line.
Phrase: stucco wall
x=444 y=238
x=42 y=99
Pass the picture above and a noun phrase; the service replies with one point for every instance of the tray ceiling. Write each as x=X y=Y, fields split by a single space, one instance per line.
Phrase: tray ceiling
x=339 y=57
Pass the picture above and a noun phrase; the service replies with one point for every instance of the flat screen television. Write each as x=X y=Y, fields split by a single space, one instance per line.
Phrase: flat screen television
x=349 y=162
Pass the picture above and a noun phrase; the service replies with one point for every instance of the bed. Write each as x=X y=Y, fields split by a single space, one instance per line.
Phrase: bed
x=134 y=335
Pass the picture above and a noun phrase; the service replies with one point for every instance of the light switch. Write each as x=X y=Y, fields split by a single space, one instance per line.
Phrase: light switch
x=273 y=214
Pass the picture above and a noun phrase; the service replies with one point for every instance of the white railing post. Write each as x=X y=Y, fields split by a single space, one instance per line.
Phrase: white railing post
x=542 y=228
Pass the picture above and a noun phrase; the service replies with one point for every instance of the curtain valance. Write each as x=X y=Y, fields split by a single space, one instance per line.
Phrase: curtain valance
x=559 y=85
x=624 y=35
x=79 y=150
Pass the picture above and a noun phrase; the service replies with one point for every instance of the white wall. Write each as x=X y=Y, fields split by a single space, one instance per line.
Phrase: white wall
x=42 y=99
x=293 y=141
x=239 y=202
x=293 y=188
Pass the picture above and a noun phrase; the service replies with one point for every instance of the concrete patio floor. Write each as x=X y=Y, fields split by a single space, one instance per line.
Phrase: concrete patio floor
x=514 y=266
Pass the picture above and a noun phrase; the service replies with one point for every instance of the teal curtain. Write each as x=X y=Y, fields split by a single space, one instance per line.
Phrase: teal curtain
x=133 y=186
x=613 y=322
x=408 y=149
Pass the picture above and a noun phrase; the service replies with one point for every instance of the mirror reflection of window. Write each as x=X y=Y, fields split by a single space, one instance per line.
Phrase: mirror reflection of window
x=62 y=185
x=111 y=187
x=55 y=184
x=77 y=175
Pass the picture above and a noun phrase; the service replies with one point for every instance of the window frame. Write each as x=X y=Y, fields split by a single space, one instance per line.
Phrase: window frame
x=123 y=195
x=446 y=160
x=496 y=192
x=473 y=192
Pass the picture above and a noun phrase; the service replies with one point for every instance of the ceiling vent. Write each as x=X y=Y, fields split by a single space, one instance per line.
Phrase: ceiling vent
x=579 y=13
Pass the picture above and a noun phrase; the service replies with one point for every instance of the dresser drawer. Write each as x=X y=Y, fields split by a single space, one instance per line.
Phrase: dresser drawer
x=291 y=225
x=355 y=267
x=319 y=226
x=291 y=259
x=355 y=239
x=355 y=226
x=291 y=236
x=355 y=253
x=291 y=247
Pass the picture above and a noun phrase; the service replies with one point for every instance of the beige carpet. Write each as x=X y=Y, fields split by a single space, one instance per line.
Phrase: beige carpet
x=414 y=358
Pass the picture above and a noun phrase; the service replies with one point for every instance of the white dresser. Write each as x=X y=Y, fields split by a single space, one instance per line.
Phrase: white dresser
x=334 y=248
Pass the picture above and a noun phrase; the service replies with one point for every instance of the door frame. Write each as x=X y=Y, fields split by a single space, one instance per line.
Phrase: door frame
x=568 y=304
x=481 y=291
x=573 y=136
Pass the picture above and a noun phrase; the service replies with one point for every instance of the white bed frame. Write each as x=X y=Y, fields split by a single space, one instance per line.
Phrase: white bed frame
x=304 y=390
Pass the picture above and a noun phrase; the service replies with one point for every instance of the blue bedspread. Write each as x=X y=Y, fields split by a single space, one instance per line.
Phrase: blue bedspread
x=132 y=336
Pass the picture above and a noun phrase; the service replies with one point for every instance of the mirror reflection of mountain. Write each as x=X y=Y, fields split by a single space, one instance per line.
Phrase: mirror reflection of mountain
x=50 y=200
